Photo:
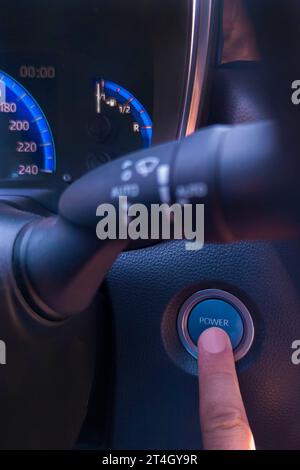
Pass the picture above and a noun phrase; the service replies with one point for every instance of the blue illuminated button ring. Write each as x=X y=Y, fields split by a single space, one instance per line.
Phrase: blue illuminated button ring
x=215 y=308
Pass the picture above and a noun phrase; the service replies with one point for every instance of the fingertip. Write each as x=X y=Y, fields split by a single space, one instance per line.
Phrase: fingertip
x=214 y=341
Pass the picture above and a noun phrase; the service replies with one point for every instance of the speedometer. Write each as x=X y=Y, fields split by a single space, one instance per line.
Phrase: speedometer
x=27 y=144
x=117 y=124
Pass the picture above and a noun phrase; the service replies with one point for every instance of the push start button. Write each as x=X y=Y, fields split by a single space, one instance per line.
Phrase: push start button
x=216 y=308
x=214 y=312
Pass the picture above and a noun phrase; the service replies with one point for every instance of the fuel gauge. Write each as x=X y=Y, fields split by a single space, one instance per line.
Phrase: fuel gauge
x=121 y=120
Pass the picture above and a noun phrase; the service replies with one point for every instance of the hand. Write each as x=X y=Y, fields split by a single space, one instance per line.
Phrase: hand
x=223 y=418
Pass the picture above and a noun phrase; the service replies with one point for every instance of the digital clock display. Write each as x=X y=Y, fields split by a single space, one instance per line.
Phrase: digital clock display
x=43 y=72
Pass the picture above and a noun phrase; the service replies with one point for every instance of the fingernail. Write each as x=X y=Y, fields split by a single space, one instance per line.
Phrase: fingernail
x=214 y=340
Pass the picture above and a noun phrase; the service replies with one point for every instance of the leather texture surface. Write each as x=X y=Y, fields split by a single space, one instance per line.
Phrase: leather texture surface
x=156 y=401
x=237 y=95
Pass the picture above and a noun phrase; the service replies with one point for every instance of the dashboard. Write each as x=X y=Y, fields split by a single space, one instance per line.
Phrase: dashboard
x=82 y=83
x=76 y=88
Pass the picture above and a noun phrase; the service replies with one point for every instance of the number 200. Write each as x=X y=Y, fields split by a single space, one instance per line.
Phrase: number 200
x=18 y=125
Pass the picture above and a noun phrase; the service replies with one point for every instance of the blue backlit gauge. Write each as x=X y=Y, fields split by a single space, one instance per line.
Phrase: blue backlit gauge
x=113 y=96
x=27 y=144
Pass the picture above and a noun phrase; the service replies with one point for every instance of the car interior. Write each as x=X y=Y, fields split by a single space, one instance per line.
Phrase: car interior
x=157 y=101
